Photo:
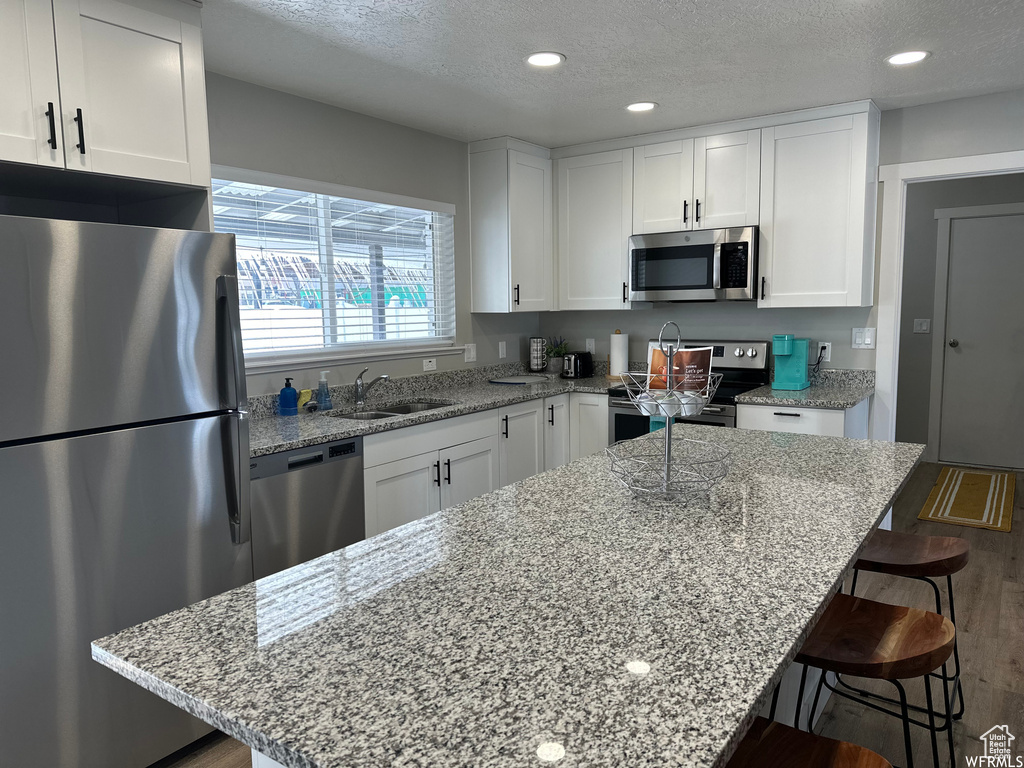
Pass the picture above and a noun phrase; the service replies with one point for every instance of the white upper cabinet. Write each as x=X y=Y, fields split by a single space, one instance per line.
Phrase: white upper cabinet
x=726 y=174
x=512 y=243
x=818 y=195
x=129 y=98
x=703 y=183
x=28 y=81
x=595 y=217
x=663 y=187
x=132 y=92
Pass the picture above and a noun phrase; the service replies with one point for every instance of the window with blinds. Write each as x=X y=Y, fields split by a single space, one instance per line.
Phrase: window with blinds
x=320 y=272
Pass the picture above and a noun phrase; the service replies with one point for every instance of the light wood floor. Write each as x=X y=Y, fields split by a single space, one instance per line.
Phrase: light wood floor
x=990 y=613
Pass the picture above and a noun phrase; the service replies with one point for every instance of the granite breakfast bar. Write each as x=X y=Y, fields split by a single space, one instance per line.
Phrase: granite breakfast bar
x=555 y=621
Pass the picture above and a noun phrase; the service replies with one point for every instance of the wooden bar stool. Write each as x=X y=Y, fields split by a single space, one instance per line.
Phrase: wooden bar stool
x=874 y=640
x=924 y=558
x=773 y=745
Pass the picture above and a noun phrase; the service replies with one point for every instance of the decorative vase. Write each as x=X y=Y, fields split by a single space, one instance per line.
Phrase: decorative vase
x=554 y=367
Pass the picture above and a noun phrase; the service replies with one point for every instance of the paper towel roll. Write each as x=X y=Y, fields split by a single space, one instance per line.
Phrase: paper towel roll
x=619 y=361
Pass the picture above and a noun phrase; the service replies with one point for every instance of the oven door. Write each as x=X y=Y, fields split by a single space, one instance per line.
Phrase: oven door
x=625 y=421
x=704 y=265
x=713 y=416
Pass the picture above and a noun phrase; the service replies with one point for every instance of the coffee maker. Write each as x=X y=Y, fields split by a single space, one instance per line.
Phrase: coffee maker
x=791 y=358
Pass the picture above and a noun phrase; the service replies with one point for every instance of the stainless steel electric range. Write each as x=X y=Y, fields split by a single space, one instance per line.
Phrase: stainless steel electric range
x=744 y=366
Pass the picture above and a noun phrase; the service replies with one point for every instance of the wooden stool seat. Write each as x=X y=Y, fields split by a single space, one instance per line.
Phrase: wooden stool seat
x=868 y=639
x=906 y=554
x=774 y=745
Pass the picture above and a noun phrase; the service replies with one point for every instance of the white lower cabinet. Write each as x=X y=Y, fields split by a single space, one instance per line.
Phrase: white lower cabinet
x=588 y=424
x=852 y=422
x=400 y=491
x=520 y=441
x=556 y=431
x=468 y=470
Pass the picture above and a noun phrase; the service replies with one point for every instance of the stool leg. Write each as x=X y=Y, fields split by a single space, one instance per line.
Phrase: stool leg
x=853 y=584
x=775 y=701
x=958 y=688
x=931 y=719
x=800 y=697
x=949 y=715
x=906 y=723
x=814 y=706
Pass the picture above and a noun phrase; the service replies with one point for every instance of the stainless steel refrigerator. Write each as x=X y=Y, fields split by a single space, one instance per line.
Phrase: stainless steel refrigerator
x=124 y=471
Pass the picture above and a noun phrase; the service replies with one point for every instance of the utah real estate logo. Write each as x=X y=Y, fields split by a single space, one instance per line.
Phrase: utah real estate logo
x=998 y=750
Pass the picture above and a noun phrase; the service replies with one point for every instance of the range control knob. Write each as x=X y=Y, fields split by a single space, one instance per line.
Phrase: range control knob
x=738 y=352
x=751 y=352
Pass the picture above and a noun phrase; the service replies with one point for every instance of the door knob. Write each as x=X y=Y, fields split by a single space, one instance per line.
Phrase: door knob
x=954 y=343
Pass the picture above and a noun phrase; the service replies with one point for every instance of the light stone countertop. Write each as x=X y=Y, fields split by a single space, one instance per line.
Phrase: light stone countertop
x=837 y=389
x=475 y=635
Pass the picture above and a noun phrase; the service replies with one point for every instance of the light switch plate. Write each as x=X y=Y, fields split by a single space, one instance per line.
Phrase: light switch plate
x=863 y=338
x=923 y=325
x=591 y=346
x=470 y=353
x=502 y=352
x=430 y=364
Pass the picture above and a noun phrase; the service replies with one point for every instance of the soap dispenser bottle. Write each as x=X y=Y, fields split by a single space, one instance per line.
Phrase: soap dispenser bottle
x=288 y=401
x=323 y=395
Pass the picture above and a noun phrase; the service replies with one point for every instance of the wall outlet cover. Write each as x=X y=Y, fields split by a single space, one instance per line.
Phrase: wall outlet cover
x=430 y=364
x=470 y=353
x=827 y=347
x=591 y=346
x=502 y=351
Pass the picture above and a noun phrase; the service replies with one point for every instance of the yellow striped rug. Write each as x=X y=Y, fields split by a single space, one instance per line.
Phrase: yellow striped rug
x=972 y=497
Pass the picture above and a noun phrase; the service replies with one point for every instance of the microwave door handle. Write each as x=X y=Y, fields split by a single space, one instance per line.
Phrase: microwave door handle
x=717 y=274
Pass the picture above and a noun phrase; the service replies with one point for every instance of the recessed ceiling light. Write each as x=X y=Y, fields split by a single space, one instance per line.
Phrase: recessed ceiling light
x=907 y=57
x=642 y=106
x=545 y=59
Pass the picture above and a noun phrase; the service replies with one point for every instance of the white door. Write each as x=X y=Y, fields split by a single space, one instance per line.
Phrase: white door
x=132 y=92
x=663 y=187
x=529 y=231
x=588 y=424
x=982 y=402
x=595 y=216
x=521 y=441
x=468 y=470
x=814 y=248
x=401 y=491
x=28 y=84
x=726 y=180
x=556 y=431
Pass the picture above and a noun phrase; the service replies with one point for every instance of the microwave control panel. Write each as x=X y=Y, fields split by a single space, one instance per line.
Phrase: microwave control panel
x=735 y=265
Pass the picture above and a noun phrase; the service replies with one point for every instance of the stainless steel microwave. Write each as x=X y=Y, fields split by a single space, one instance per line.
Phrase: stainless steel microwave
x=703 y=265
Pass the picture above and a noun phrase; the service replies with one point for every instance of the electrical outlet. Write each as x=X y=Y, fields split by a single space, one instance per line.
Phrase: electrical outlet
x=826 y=347
x=470 y=353
x=502 y=352
x=923 y=326
x=591 y=346
x=430 y=364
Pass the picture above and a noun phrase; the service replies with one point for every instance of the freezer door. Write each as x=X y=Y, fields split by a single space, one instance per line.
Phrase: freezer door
x=98 y=533
x=104 y=325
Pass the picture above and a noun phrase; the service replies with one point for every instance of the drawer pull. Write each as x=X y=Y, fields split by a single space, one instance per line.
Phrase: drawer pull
x=297 y=462
x=794 y=415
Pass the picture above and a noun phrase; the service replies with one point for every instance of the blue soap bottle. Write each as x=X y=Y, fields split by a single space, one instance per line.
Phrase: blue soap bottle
x=288 y=401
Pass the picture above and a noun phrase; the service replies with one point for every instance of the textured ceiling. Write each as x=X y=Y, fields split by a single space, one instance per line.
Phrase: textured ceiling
x=455 y=67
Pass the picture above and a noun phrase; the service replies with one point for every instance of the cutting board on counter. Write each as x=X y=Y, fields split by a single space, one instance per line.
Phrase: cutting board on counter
x=526 y=378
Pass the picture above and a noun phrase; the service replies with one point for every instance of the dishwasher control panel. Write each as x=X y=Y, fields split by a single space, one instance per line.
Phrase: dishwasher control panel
x=301 y=458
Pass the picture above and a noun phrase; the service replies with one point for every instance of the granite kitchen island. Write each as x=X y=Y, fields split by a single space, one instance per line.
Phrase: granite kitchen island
x=556 y=621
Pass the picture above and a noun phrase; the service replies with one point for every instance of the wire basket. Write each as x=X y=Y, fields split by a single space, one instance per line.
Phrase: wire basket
x=653 y=398
x=694 y=467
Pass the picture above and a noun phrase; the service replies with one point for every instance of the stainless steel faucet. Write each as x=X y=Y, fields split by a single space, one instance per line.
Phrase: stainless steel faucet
x=362 y=389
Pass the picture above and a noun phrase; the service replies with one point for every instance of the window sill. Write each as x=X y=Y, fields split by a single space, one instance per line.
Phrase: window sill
x=282 y=362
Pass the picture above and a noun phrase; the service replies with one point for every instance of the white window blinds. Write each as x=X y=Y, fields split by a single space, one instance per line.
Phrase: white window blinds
x=317 y=271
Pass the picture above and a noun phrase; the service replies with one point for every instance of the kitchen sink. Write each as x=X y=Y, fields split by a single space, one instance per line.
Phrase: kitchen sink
x=413 y=407
x=363 y=415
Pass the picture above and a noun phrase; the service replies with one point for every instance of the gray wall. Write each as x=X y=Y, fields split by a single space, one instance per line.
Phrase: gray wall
x=921 y=234
x=265 y=130
x=974 y=126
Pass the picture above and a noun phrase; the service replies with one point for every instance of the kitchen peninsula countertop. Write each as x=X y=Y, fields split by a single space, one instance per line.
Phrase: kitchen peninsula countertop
x=836 y=389
x=555 y=611
x=271 y=433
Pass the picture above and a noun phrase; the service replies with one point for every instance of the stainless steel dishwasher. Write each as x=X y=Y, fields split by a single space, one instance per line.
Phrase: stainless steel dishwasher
x=305 y=503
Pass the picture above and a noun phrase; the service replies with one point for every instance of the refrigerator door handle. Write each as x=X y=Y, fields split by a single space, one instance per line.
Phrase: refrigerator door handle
x=227 y=292
x=238 y=479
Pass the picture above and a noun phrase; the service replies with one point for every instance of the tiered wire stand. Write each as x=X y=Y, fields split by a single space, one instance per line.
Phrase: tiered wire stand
x=681 y=469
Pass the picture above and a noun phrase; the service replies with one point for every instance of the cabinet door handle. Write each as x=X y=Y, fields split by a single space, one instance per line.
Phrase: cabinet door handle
x=448 y=471
x=504 y=428
x=696 y=212
x=437 y=468
x=52 y=141
x=80 y=146
x=763 y=279
x=686 y=204
x=551 y=417
x=625 y=293
x=794 y=415
x=517 y=295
